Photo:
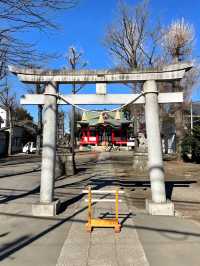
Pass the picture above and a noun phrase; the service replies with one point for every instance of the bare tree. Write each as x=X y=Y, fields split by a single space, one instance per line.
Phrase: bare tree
x=74 y=60
x=31 y=13
x=8 y=101
x=18 y=17
x=178 y=41
x=21 y=16
x=133 y=43
x=126 y=39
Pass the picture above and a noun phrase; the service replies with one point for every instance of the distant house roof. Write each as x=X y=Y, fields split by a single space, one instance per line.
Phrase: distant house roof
x=29 y=126
x=114 y=119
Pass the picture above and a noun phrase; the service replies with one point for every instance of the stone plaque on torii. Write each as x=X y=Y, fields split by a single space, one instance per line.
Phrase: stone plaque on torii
x=150 y=97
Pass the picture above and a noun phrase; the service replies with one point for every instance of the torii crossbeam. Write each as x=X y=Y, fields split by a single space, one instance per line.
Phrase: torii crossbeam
x=95 y=99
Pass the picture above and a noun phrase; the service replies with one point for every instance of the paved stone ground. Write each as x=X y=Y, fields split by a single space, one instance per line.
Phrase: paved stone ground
x=28 y=240
x=169 y=241
x=103 y=247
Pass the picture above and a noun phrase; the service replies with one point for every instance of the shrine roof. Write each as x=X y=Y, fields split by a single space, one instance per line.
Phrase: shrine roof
x=93 y=119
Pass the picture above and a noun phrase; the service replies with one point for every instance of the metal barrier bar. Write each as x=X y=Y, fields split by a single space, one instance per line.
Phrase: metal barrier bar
x=103 y=200
x=85 y=191
x=89 y=204
x=117 y=205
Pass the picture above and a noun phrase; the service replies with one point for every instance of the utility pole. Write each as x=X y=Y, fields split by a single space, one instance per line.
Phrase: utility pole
x=72 y=135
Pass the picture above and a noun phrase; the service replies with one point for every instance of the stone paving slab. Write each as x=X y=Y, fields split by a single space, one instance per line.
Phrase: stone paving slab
x=102 y=247
x=173 y=241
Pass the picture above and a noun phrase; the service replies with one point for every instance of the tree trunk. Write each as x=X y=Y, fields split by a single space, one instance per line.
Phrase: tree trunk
x=11 y=132
x=178 y=117
x=179 y=129
x=39 y=135
x=178 y=121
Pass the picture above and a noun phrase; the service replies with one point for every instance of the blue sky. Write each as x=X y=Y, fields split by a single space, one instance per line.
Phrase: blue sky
x=84 y=27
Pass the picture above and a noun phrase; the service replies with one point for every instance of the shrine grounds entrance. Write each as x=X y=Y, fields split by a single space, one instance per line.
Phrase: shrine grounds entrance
x=150 y=96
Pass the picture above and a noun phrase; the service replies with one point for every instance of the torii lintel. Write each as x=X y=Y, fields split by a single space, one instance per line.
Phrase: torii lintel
x=166 y=73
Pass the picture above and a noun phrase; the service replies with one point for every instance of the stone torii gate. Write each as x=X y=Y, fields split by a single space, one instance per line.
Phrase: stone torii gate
x=150 y=97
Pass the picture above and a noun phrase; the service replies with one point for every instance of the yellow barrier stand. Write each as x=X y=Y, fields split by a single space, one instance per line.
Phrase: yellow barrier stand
x=92 y=222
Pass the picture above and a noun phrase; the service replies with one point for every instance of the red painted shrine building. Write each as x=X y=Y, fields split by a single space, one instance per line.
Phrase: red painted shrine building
x=103 y=128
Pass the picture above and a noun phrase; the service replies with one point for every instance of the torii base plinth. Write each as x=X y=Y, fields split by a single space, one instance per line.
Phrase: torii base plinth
x=166 y=208
x=46 y=209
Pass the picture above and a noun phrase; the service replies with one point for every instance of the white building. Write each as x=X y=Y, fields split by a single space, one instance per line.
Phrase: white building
x=3 y=116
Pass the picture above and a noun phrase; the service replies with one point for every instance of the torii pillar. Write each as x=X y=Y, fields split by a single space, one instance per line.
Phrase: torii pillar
x=158 y=205
x=48 y=205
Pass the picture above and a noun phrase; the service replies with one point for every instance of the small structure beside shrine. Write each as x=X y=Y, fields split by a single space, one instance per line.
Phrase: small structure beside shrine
x=103 y=128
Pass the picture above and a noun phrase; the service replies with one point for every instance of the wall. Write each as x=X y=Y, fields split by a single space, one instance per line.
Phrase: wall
x=17 y=141
x=3 y=143
x=3 y=116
